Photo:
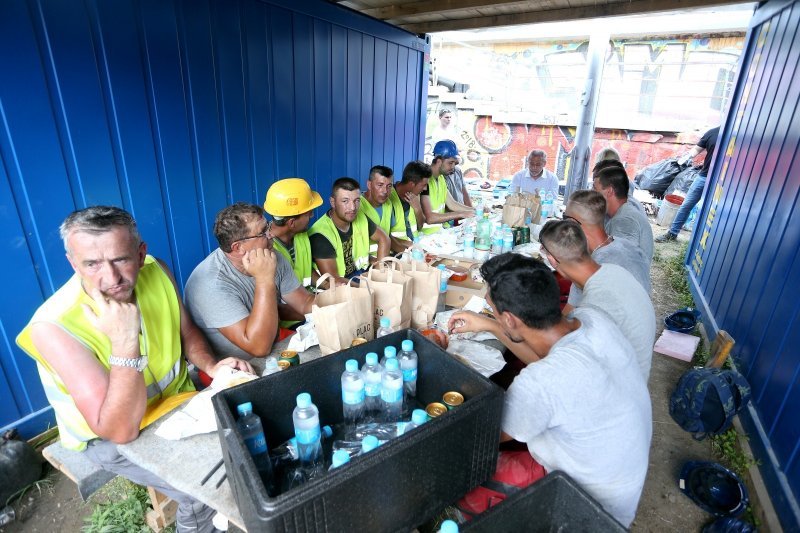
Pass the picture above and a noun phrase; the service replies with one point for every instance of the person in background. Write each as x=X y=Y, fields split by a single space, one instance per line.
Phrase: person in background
x=608 y=153
x=608 y=287
x=580 y=404
x=625 y=219
x=291 y=202
x=707 y=142
x=438 y=205
x=110 y=345
x=535 y=177
x=340 y=239
x=238 y=293
x=446 y=128
x=611 y=162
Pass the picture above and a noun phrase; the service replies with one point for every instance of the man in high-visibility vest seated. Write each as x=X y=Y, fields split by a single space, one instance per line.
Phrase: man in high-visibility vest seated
x=340 y=239
x=383 y=205
x=110 y=345
x=438 y=205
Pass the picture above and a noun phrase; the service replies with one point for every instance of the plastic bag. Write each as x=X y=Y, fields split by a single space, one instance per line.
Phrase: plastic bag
x=19 y=466
x=683 y=181
x=657 y=177
x=482 y=358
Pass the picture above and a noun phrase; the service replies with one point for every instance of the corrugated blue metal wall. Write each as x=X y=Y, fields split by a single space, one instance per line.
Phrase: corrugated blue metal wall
x=743 y=262
x=174 y=109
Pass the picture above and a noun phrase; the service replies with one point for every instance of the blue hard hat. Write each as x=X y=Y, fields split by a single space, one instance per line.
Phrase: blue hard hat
x=729 y=524
x=445 y=148
x=714 y=488
x=683 y=320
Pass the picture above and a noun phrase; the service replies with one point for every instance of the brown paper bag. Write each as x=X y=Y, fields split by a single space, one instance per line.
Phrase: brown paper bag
x=391 y=293
x=517 y=207
x=341 y=314
x=424 y=291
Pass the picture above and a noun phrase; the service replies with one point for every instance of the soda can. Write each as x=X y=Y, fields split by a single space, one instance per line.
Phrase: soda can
x=452 y=399
x=358 y=341
x=526 y=234
x=291 y=356
x=283 y=364
x=435 y=409
x=517 y=236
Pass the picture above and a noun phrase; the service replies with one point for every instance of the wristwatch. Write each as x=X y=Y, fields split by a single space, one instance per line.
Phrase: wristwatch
x=139 y=363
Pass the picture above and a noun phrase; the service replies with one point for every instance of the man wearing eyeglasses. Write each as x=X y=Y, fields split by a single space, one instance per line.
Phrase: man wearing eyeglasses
x=234 y=294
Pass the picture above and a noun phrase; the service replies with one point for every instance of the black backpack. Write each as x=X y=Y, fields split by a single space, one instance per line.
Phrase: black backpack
x=706 y=399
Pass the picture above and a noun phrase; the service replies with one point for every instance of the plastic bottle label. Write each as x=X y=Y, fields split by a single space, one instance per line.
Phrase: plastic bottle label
x=410 y=374
x=392 y=395
x=307 y=436
x=372 y=389
x=353 y=397
x=256 y=444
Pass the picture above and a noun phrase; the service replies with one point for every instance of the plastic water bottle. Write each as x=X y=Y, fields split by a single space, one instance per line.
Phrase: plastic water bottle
x=440 y=303
x=253 y=435
x=372 y=373
x=287 y=452
x=408 y=364
x=392 y=391
x=339 y=458
x=469 y=243
x=497 y=241
x=508 y=240
x=448 y=526
x=418 y=417
x=270 y=366
x=417 y=253
x=307 y=431
x=369 y=443
x=390 y=352
x=385 y=327
x=479 y=210
x=353 y=393
x=547 y=205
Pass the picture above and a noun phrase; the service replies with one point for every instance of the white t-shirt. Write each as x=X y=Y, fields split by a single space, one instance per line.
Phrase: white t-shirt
x=584 y=409
x=621 y=252
x=523 y=182
x=613 y=290
x=632 y=224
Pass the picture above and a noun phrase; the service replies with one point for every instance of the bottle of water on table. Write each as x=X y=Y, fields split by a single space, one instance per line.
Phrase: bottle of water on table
x=385 y=327
x=307 y=432
x=253 y=435
x=440 y=303
x=392 y=391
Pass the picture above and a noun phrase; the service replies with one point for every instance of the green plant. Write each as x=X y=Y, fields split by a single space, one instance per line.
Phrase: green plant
x=123 y=512
x=726 y=447
x=40 y=485
x=676 y=275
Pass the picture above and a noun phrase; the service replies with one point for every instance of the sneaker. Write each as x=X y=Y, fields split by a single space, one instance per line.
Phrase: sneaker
x=666 y=237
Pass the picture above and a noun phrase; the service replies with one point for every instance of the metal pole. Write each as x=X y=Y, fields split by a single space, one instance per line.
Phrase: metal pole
x=582 y=149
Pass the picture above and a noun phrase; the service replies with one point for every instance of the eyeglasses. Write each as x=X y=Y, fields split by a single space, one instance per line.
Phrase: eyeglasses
x=264 y=234
x=548 y=252
x=567 y=217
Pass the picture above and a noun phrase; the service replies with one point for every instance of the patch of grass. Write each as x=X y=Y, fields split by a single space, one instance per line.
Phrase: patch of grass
x=123 y=512
x=726 y=447
x=40 y=485
x=676 y=275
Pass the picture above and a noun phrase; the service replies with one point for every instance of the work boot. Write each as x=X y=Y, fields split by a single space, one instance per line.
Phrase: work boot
x=666 y=237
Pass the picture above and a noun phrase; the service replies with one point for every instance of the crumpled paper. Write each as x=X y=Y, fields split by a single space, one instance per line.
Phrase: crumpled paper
x=305 y=336
x=197 y=416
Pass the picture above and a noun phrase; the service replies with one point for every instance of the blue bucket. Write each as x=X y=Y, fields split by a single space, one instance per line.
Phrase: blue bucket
x=683 y=320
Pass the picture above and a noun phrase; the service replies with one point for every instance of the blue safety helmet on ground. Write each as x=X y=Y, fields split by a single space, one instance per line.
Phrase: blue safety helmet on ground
x=446 y=149
x=714 y=488
x=729 y=525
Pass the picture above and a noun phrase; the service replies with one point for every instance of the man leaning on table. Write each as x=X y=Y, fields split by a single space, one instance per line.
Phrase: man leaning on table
x=535 y=177
x=110 y=344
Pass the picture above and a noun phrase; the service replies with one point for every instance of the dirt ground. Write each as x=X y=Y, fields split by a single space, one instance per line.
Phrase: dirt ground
x=662 y=507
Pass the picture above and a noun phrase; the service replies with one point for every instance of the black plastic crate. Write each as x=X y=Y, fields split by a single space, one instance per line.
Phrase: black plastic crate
x=394 y=488
x=554 y=503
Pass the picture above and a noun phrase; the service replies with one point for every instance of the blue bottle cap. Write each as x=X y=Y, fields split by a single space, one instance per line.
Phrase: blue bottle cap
x=303 y=400
x=351 y=365
x=442 y=267
x=385 y=322
x=392 y=364
x=339 y=458
x=244 y=409
x=327 y=432
x=369 y=443
x=407 y=345
x=419 y=416
x=390 y=351
x=448 y=526
x=372 y=358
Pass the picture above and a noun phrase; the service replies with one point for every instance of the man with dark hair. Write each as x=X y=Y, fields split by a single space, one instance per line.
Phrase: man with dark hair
x=110 y=345
x=405 y=200
x=608 y=161
x=581 y=406
x=340 y=239
x=588 y=208
x=438 y=205
x=382 y=207
x=625 y=219
x=235 y=293
x=608 y=287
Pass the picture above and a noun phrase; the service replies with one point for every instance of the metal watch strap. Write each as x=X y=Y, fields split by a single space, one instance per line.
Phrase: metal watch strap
x=129 y=362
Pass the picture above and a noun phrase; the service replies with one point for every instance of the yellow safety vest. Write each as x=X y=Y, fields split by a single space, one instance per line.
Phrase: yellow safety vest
x=360 y=227
x=399 y=229
x=302 y=257
x=160 y=340
x=437 y=193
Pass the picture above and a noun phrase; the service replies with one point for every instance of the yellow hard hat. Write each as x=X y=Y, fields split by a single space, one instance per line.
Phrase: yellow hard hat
x=290 y=197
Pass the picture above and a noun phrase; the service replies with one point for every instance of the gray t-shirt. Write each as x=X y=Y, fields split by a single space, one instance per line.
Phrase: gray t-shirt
x=218 y=295
x=613 y=290
x=585 y=409
x=621 y=252
x=632 y=224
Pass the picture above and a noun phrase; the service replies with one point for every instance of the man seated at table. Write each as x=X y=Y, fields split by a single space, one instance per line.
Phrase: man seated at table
x=581 y=404
x=535 y=178
x=237 y=293
x=588 y=209
x=340 y=239
x=625 y=219
x=291 y=202
x=382 y=207
x=610 y=162
x=406 y=194
x=438 y=205
x=608 y=287
x=110 y=345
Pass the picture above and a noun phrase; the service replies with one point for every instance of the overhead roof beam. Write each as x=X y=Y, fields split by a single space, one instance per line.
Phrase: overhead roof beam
x=632 y=7
x=433 y=7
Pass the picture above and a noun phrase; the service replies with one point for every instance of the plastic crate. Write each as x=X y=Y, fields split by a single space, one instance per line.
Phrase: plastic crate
x=394 y=488
x=554 y=503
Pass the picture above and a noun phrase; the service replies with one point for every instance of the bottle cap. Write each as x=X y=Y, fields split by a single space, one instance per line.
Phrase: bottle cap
x=407 y=345
x=372 y=358
x=244 y=409
x=351 y=365
x=441 y=267
x=448 y=526
x=392 y=364
x=419 y=416
x=339 y=458
x=303 y=400
x=369 y=443
x=389 y=352
x=385 y=322
x=327 y=432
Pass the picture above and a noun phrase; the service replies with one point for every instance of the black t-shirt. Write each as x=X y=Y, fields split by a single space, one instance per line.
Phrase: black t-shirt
x=406 y=209
x=321 y=247
x=709 y=142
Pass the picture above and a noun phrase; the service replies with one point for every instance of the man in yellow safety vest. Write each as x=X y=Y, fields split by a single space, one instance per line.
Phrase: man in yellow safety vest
x=438 y=205
x=382 y=204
